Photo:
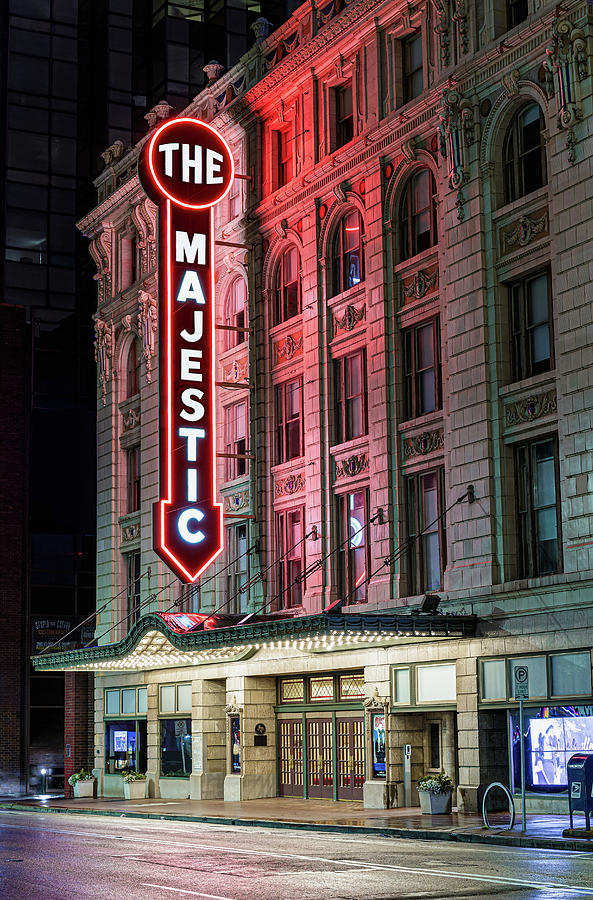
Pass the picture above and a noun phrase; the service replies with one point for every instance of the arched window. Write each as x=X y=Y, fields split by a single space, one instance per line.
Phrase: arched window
x=235 y=314
x=347 y=253
x=418 y=215
x=133 y=369
x=524 y=154
x=288 y=286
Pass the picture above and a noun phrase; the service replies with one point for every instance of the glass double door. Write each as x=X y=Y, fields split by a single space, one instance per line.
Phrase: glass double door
x=329 y=774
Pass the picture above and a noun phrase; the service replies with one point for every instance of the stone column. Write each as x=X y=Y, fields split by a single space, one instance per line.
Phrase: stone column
x=405 y=728
x=253 y=697
x=378 y=793
x=99 y=738
x=468 y=735
x=153 y=763
x=208 y=740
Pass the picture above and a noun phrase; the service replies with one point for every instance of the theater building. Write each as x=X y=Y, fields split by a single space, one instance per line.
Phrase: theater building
x=404 y=394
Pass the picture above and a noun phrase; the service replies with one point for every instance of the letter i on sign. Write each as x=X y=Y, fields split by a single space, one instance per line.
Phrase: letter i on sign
x=186 y=169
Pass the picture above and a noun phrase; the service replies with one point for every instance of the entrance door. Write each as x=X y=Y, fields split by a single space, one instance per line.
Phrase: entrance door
x=290 y=757
x=320 y=775
x=350 y=748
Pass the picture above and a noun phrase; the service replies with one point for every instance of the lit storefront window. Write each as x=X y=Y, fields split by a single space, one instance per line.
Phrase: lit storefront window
x=176 y=748
x=552 y=735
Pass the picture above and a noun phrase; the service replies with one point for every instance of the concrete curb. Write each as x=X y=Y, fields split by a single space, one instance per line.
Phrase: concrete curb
x=505 y=839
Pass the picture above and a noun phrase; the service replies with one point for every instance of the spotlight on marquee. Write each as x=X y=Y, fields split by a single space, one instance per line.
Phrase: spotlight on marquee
x=186 y=168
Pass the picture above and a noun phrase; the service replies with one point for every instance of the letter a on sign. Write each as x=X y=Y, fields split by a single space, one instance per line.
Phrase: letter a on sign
x=186 y=168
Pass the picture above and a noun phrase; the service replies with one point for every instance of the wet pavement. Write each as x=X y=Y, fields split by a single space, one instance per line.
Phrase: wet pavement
x=543 y=831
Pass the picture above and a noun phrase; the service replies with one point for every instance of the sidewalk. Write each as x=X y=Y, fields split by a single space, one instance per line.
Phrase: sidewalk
x=544 y=832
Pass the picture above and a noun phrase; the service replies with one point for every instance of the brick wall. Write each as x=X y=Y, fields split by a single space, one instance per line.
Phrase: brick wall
x=78 y=725
x=14 y=355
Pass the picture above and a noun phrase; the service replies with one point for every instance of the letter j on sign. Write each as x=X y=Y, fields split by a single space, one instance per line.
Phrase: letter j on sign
x=186 y=168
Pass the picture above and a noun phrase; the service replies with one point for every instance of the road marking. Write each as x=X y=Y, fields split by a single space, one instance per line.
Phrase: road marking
x=384 y=867
x=163 y=887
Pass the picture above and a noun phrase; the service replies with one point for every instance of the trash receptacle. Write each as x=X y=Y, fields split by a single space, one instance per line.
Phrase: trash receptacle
x=580 y=785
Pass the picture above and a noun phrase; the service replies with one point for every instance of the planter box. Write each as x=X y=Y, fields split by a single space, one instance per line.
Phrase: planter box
x=84 y=788
x=135 y=790
x=435 y=804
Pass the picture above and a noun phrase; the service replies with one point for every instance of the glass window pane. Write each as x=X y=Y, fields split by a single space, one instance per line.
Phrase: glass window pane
x=538 y=682
x=176 y=748
x=168 y=698
x=112 y=703
x=184 y=697
x=538 y=300
x=421 y=197
x=351 y=231
x=436 y=683
x=292 y=690
x=571 y=674
x=322 y=688
x=142 y=700
x=128 y=701
x=401 y=685
x=493 y=680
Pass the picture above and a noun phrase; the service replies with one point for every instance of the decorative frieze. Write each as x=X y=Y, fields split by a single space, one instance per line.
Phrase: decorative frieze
x=130 y=532
x=567 y=63
x=237 y=371
x=288 y=348
x=442 y=29
x=420 y=283
x=103 y=354
x=130 y=419
x=289 y=485
x=147 y=328
x=421 y=444
x=350 y=318
x=354 y=465
x=523 y=231
x=236 y=502
x=457 y=134
x=530 y=408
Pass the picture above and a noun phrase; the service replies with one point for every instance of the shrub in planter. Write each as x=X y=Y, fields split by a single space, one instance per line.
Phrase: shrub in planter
x=435 y=794
x=83 y=783
x=134 y=785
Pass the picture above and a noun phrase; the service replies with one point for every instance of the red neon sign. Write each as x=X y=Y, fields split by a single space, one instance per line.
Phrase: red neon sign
x=186 y=168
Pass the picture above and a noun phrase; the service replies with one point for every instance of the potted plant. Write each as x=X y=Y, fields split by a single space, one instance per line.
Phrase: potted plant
x=435 y=794
x=134 y=785
x=83 y=783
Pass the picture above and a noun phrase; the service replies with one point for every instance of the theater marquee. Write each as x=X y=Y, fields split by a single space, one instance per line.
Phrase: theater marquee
x=186 y=168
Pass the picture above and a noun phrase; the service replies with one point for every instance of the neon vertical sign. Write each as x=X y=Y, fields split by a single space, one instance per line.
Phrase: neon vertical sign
x=186 y=168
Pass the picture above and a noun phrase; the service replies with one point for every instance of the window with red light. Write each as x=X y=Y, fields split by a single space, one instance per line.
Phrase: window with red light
x=235 y=440
x=290 y=552
x=235 y=318
x=235 y=205
x=133 y=369
x=347 y=253
x=237 y=594
x=288 y=286
x=350 y=396
x=289 y=420
x=344 y=111
x=354 y=549
x=418 y=215
x=282 y=156
x=133 y=479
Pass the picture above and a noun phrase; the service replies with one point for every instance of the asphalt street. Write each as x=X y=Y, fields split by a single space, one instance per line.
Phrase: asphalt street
x=53 y=857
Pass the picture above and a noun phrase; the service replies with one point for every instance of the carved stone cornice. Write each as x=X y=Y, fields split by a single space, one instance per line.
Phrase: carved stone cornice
x=288 y=348
x=527 y=409
x=420 y=283
x=351 y=466
x=236 y=502
x=421 y=444
x=523 y=231
x=130 y=419
x=350 y=318
x=288 y=485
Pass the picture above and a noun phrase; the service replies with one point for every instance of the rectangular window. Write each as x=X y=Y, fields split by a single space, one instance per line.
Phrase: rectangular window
x=413 y=78
x=426 y=530
x=235 y=729
x=350 y=388
x=571 y=674
x=125 y=745
x=321 y=688
x=176 y=698
x=538 y=679
x=352 y=686
x=234 y=199
x=422 y=369
x=290 y=548
x=292 y=690
x=289 y=425
x=235 y=441
x=531 y=326
x=435 y=745
x=112 y=703
x=494 y=685
x=354 y=550
x=133 y=479
x=436 y=684
x=538 y=507
x=237 y=574
x=133 y=588
x=401 y=685
x=344 y=115
x=517 y=12
x=176 y=749
x=283 y=144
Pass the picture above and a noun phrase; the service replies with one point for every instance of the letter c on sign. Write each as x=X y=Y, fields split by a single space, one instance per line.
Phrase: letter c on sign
x=191 y=537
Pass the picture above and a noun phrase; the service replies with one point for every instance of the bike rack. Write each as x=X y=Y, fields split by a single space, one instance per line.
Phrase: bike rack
x=509 y=797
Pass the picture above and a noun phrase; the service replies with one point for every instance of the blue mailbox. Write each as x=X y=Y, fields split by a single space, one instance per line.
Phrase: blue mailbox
x=580 y=785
